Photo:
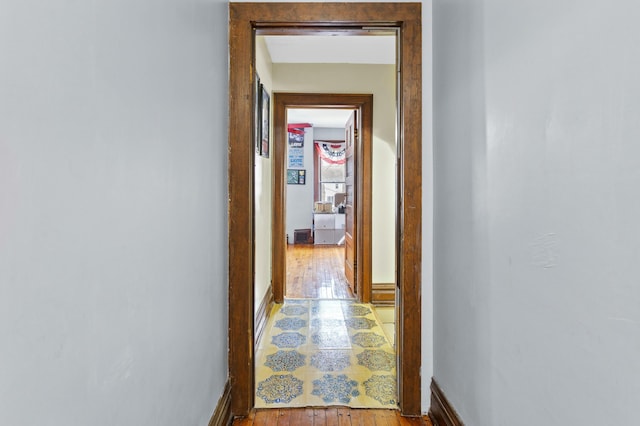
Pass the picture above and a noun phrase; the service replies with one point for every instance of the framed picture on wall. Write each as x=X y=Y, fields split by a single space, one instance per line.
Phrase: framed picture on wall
x=296 y=140
x=296 y=177
x=296 y=158
x=257 y=92
x=265 y=111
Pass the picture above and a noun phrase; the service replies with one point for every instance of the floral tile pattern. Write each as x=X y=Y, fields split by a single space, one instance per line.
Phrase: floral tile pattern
x=331 y=360
x=304 y=302
x=368 y=340
x=291 y=323
x=325 y=352
x=358 y=323
x=382 y=389
x=326 y=323
x=354 y=310
x=294 y=310
x=289 y=340
x=377 y=360
x=285 y=360
x=277 y=389
x=335 y=388
x=326 y=339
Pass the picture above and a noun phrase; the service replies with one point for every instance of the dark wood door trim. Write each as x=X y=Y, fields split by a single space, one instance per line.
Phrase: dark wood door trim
x=244 y=18
x=364 y=105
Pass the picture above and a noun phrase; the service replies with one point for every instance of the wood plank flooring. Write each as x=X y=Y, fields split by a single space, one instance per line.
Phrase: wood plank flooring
x=316 y=272
x=330 y=416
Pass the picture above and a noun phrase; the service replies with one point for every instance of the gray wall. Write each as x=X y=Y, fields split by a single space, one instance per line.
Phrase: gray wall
x=113 y=264
x=537 y=159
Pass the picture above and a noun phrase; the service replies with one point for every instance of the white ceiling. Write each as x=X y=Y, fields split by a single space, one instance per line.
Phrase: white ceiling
x=378 y=49
x=332 y=118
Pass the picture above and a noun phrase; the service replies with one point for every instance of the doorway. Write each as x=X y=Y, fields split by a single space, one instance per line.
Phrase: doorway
x=312 y=344
x=315 y=267
x=363 y=214
x=296 y=18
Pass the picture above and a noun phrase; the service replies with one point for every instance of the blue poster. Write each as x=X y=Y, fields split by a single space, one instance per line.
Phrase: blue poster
x=296 y=158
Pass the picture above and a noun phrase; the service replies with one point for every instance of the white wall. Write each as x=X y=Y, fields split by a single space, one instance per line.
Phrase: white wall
x=329 y=133
x=379 y=80
x=263 y=191
x=113 y=241
x=300 y=197
x=537 y=159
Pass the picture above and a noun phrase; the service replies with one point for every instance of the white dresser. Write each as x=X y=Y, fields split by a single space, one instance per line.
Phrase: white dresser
x=328 y=228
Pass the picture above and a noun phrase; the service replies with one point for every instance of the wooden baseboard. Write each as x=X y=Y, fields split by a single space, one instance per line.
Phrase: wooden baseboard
x=262 y=315
x=442 y=412
x=383 y=294
x=222 y=414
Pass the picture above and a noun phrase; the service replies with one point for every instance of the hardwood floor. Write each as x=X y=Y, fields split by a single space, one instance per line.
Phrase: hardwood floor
x=316 y=272
x=338 y=416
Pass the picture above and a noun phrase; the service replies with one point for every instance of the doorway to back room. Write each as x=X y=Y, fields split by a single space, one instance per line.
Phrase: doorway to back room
x=316 y=166
x=325 y=160
x=247 y=20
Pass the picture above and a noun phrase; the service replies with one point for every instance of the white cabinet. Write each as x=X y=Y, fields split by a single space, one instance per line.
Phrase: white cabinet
x=328 y=228
x=323 y=221
x=323 y=236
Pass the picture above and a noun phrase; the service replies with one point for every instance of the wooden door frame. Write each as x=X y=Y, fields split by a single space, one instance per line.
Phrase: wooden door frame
x=364 y=105
x=244 y=18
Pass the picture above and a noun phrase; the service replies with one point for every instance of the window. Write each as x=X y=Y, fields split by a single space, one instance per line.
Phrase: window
x=331 y=164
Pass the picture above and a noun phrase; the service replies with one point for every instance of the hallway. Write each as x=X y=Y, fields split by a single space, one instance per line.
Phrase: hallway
x=127 y=255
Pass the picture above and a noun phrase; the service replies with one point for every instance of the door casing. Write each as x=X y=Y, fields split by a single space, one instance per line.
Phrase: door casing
x=364 y=105
x=306 y=18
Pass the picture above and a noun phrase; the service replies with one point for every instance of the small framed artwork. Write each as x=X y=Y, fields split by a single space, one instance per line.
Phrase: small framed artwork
x=296 y=177
x=265 y=111
x=257 y=122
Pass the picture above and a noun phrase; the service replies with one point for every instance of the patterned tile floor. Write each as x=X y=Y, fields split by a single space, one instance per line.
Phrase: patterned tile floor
x=387 y=316
x=323 y=353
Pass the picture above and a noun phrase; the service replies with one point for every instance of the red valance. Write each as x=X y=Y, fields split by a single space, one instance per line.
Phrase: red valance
x=331 y=152
x=297 y=128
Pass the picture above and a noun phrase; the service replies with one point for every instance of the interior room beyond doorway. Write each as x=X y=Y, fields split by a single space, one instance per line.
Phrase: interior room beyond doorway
x=316 y=202
x=245 y=20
